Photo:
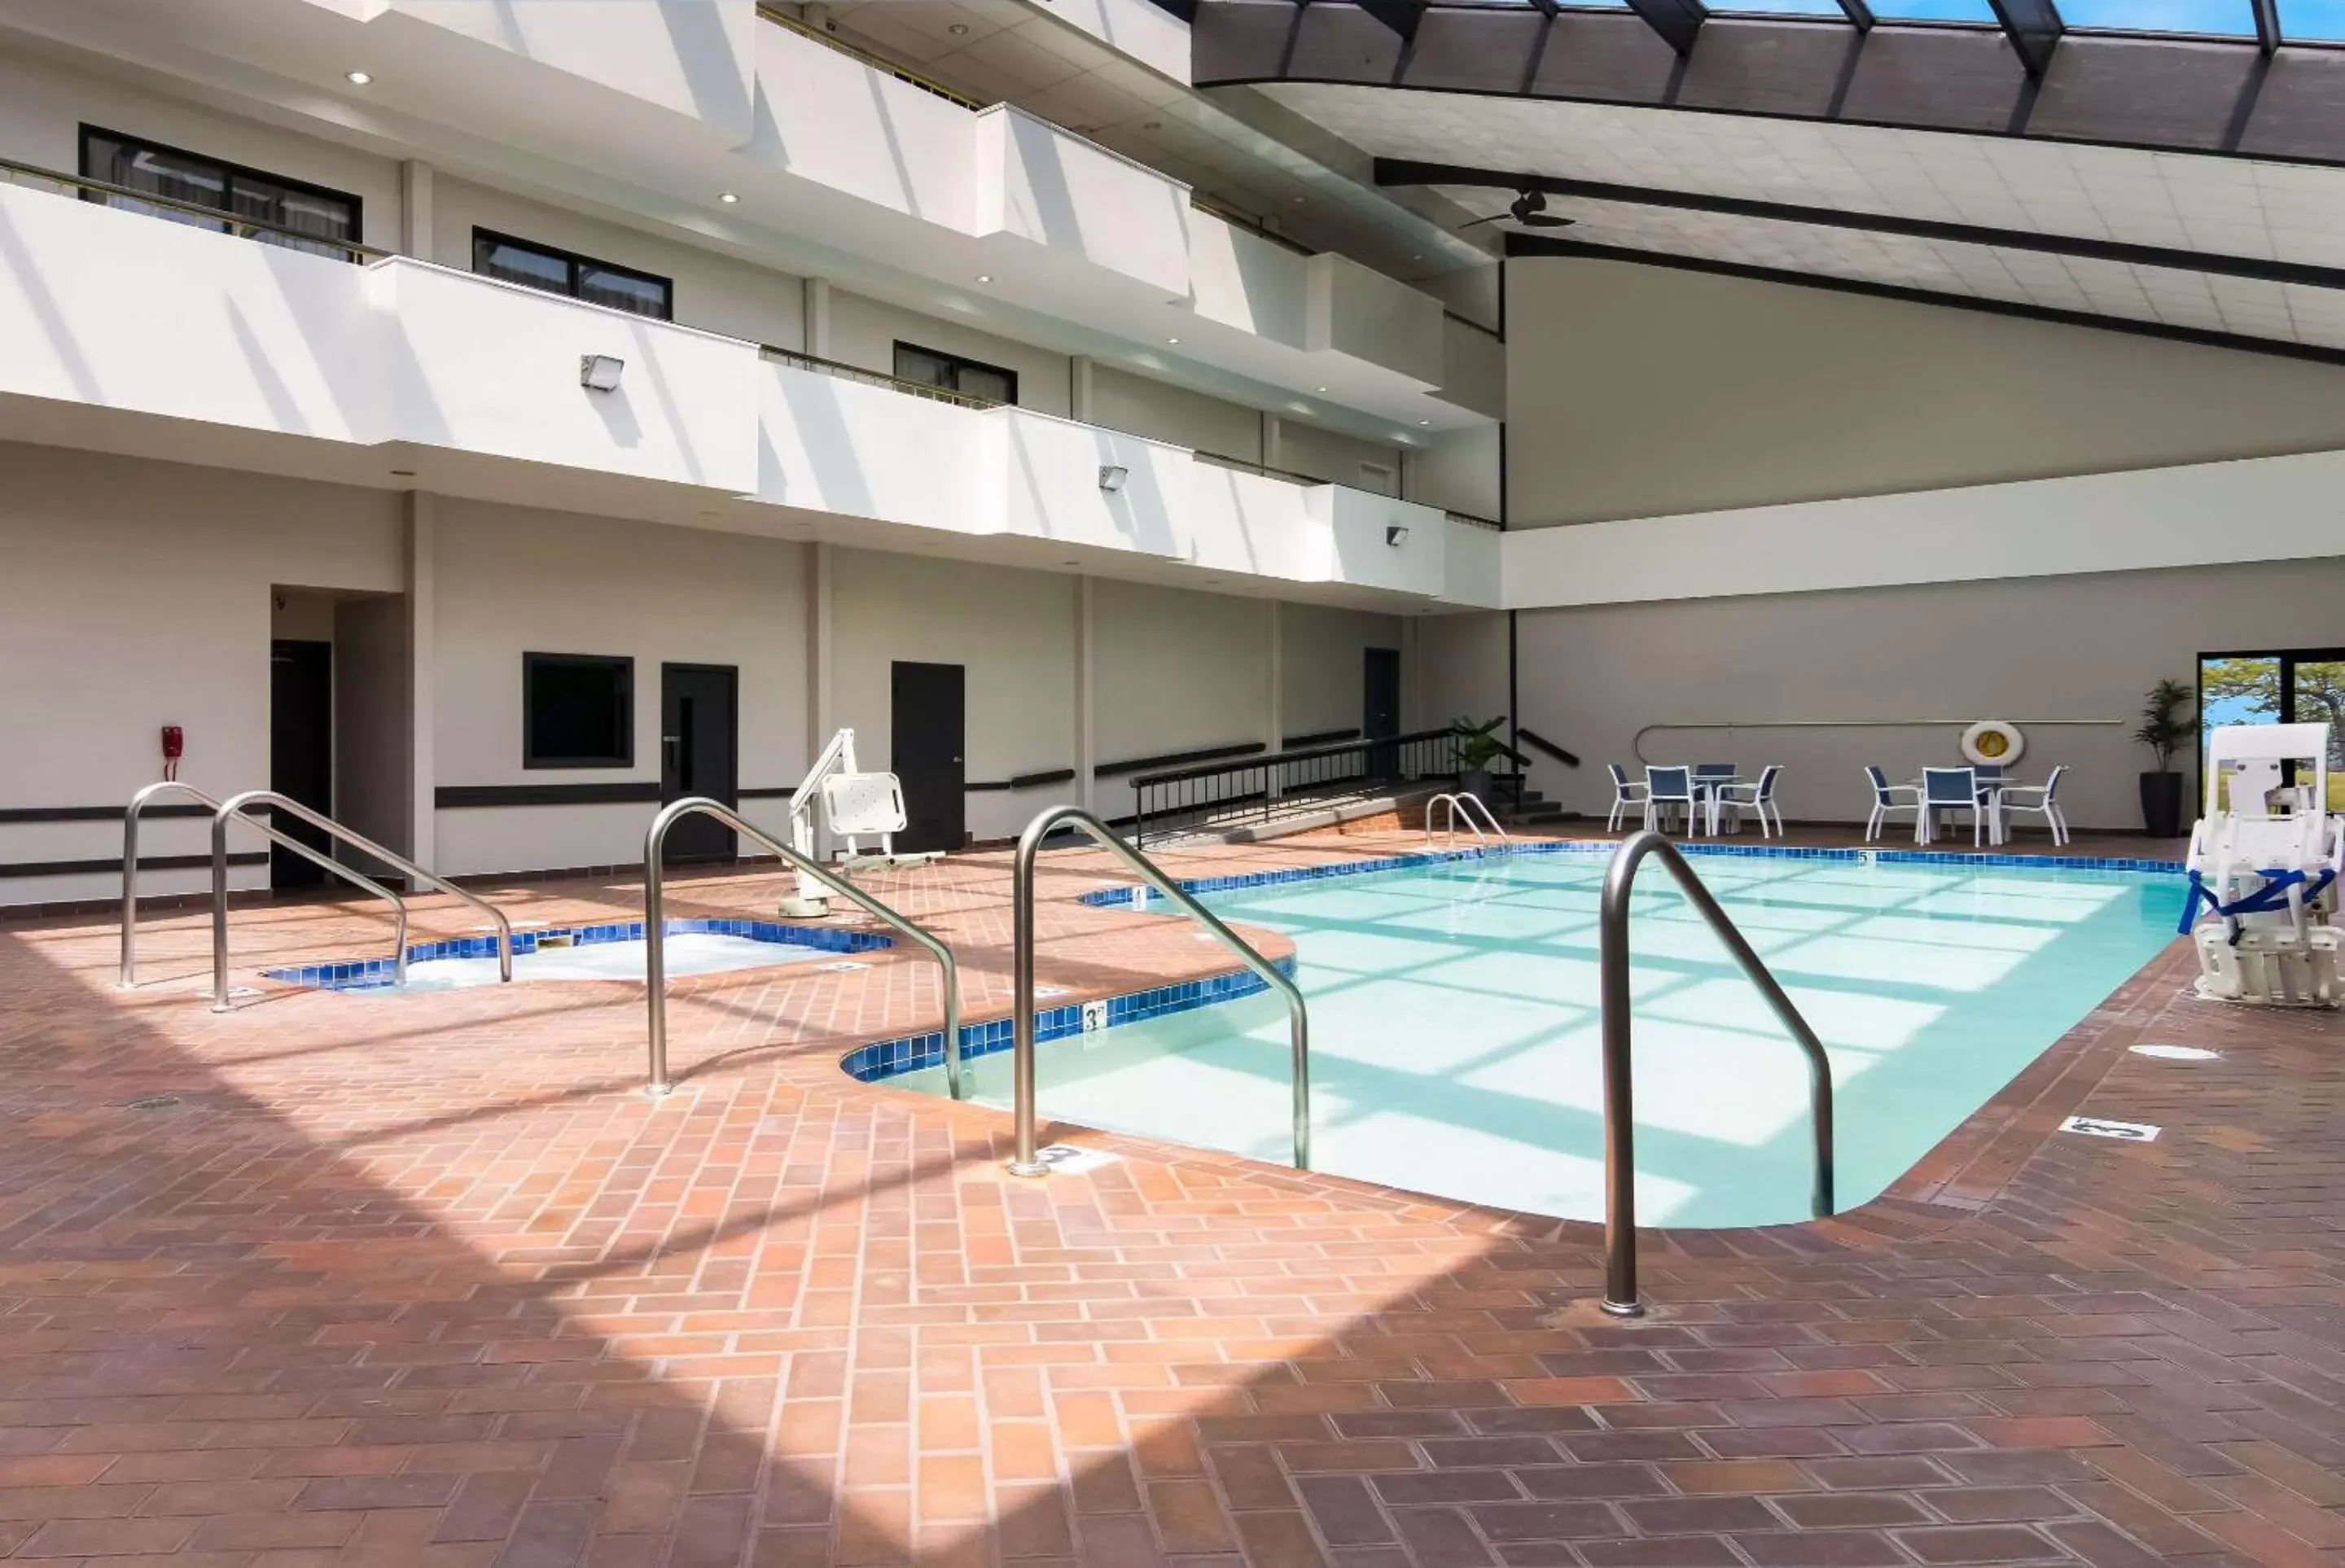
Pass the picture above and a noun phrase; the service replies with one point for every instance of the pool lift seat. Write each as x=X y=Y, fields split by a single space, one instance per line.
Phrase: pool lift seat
x=2264 y=865
x=854 y=806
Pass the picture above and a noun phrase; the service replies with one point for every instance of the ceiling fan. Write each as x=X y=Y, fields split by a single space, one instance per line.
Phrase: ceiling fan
x=1529 y=209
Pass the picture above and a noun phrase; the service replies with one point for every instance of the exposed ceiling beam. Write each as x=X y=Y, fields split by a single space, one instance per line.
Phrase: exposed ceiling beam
x=1533 y=244
x=1676 y=21
x=2267 y=24
x=2033 y=27
x=1401 y=16
x=1402 y=171
x=1856 y=11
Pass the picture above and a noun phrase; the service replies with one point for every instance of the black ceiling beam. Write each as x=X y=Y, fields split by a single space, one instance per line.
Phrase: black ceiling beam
x=1405 y=172
x=1678 y=22
x=2267 y=24
x=1540 y=244
x=1858 y=13
x=1401 y=16
x=2033 y=27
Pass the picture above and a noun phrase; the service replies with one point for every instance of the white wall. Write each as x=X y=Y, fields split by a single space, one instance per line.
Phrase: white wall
x=136 y=595
x=712 y=291
x=514 y=580
x=1458 y=470
x=2078 y=647
x=1146 y=407
x=1335 y=456
x=1177 y=672
x=865 y=331
x=1013 y=631
x=1641 y=391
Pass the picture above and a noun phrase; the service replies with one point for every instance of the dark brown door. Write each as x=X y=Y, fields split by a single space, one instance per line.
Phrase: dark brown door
x=300 y=750
x=700 y=753
x=927 y=743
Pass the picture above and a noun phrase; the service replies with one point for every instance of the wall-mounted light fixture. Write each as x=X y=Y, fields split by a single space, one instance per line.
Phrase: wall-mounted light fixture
x=1111 y=477
x=600 y=372
x=1396 y=534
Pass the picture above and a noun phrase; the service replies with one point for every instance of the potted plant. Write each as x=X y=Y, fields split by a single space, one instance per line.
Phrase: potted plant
x=2168 y=718
x=1478 y=747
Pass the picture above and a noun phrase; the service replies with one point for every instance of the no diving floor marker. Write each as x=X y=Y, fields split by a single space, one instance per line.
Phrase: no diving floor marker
x=1066 y=1159
x=2177 y=1053
x=2123 y=1131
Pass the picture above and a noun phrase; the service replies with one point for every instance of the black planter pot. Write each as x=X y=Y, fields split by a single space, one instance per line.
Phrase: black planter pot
x=1476 y=782
x=2161 y=804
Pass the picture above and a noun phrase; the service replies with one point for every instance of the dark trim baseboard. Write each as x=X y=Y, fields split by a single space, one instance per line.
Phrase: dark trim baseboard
x=113 y=864
x=1316 y=738
x=768 y=792
x=1177 y=759
x=632 y=792
x=30 y=814
x=1018 y=782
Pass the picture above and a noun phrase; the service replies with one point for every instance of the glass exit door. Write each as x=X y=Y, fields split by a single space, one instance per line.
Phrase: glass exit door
x=2286 y=687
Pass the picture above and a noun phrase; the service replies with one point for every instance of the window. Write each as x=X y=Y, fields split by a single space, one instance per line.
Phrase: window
x=578 y=277
x=2286 y=687
x=578 y=711
x=955 y=374
x=242 y=195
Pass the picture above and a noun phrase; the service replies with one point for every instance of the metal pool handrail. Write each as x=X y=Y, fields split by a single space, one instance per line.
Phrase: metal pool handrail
x=1619 y=1111
x=129 y=976
x=233 y=809
x=1457 y=801
x=1025 y=1161
x=655 y=933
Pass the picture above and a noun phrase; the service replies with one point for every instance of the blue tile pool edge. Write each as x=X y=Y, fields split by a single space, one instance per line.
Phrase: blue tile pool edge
x=884 y=1059
x=375 y=973
x=891 y=1059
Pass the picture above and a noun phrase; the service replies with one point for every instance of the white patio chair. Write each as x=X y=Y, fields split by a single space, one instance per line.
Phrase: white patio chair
x=1759 y=797
x=1668 y=787
x=1626 y=793
x=2040 y=800
x=1885 y=799
x=1951 y=789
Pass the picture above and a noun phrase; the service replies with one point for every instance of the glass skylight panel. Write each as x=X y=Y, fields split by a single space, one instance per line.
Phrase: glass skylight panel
x=1935 y=11
x=2223 y=19
x=1780 y=8
x=2317 y=21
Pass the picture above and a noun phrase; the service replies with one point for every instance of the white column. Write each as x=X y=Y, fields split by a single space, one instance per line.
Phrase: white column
x=421 y=551
x=817 y=318
x=1412 y=661
x=1086 y=696
x=821 y=715
x=1275 y=720
x=1079 y=388
x=415 y=209
x=1274 y=442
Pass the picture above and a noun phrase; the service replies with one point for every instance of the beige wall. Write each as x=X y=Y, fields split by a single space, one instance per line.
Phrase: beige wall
x=1460 y=669
x=1334 y=457
x=1324 y=664
x=138 y=594
x=1177 y=672
x=513 y=581
x=1013 y=631
x=1638 y=392
x=1123 y=402
x=865 y=332
x=711 y=292
x=1458 y=470
x=2082 y=647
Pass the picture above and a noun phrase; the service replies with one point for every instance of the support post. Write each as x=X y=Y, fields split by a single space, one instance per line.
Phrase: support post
x=423 y=544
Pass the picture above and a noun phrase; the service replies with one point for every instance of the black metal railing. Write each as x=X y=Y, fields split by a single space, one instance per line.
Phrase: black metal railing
x=128 y=198
x=1257 y=787
x=1533 y=738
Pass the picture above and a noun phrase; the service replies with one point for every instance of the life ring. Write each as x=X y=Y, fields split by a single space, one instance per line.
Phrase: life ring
x=1991 y=743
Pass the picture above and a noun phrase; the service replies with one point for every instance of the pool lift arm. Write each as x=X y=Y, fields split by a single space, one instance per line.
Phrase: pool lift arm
x=855 y=805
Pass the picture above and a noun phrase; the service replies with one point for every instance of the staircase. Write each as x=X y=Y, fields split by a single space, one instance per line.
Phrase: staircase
x=1521 y=806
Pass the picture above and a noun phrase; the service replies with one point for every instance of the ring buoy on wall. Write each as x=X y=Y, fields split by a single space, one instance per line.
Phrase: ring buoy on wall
x=1991 y=743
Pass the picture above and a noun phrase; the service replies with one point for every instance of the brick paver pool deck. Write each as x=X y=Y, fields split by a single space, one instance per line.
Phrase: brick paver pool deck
x=428 y=1281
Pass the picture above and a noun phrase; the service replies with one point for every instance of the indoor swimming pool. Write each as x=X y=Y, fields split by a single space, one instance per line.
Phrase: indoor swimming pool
x=615 y=951
x=1455 y=1041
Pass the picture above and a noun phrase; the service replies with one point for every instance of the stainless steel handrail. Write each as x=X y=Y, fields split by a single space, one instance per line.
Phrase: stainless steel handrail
x=1025 y=1160
x=241 y=228
x=233 y=809
x=129 y=976
x=1457 y=801
x=1619 y=1111
x=655 y=933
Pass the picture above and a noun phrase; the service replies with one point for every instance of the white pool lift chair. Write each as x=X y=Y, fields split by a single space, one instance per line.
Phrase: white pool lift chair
x=854 y=806
x=2264 y=865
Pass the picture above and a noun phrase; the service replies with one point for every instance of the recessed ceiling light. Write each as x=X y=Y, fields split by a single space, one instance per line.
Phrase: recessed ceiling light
x=1318 y=389
x=727 y=198
x=985 y=277
x=959 y=29
x=356 y=79
x=1151 y=125
x=1425 y=422
x=1172 y=339
x=1300 y=200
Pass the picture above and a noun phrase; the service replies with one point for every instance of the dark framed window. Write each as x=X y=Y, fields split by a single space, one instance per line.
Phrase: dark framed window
x=240 y=194
x=538 y=265
x=2276 y=686
x=578 y=711
x=970 y=378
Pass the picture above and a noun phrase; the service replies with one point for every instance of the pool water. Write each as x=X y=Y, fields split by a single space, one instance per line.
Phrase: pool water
x=1454 y=1026
x=687 y=953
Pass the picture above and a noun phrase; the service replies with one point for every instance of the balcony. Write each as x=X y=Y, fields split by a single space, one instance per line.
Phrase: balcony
x=120 y=313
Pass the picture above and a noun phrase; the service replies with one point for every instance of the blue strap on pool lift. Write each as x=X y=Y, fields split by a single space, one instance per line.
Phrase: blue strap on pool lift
x=2271 y=898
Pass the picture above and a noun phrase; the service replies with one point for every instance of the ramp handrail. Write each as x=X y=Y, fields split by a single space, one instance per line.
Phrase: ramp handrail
x=129 y=976
x=1025 y=1160
x=233 y=810
x=1619 y=1111
x=1457 y=801
x=655 y=933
